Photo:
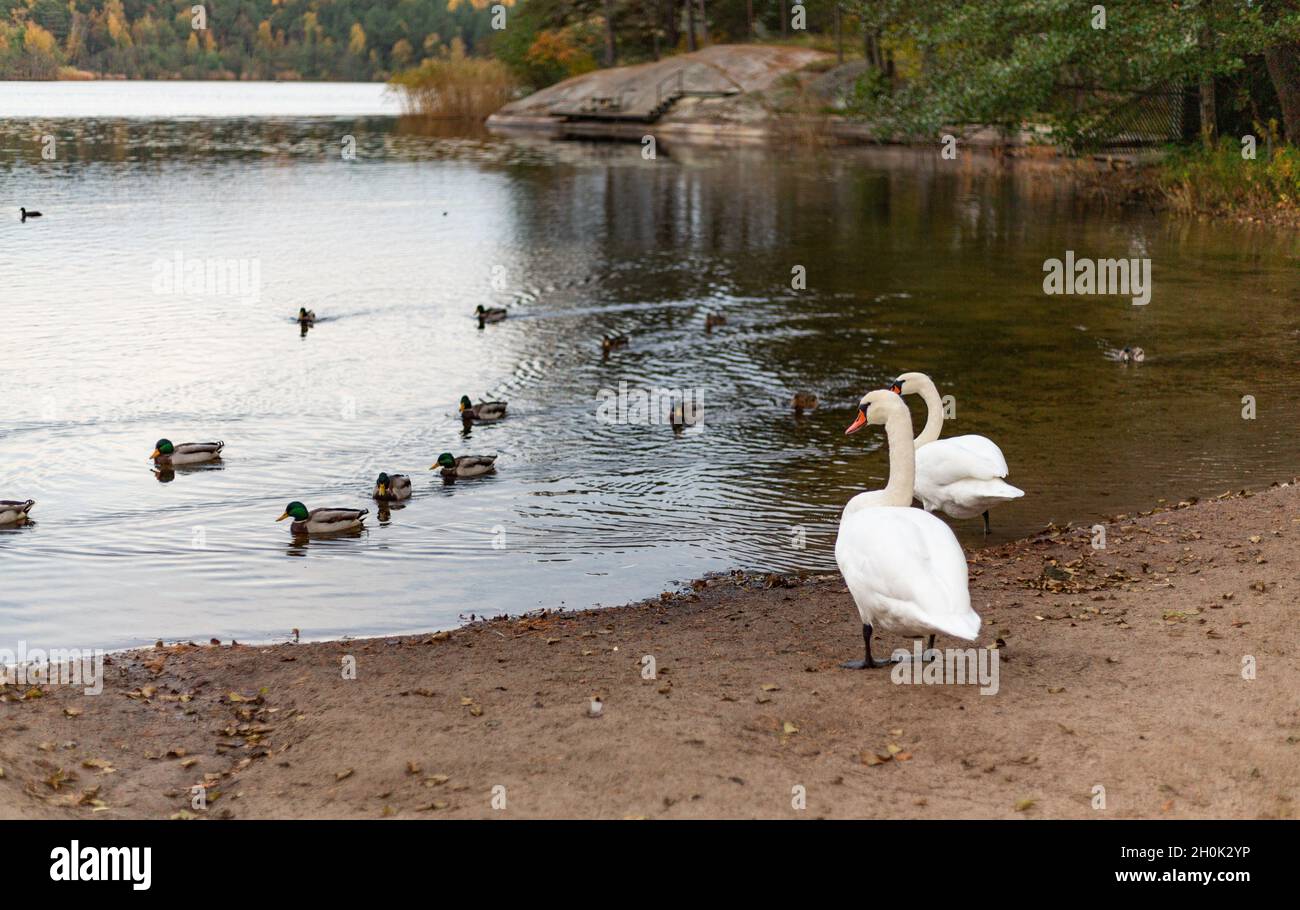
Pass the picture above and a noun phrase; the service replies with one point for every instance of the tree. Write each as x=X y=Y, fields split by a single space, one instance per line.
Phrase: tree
x=1283 y=62
x=609 y=32
x=1055 y=62
x=356 y=39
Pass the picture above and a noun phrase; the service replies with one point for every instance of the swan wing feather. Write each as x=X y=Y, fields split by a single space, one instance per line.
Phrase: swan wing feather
x=906 y=571
x=945 y=461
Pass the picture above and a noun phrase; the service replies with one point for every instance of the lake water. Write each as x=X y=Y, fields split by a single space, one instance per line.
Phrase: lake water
x=912 y=264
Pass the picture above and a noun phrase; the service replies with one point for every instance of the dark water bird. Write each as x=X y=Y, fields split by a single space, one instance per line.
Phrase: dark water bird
x=489 y=314
x=306 y=317
x=803 y=401
x=1132 y=355
x=682 y=417
x=392 y=488
x=322 y=521
x=713 y=320
x=12 y=511
x=484 y=410
x=26 y=214
x=464 y=465
x=612 y=343
x=167 y=455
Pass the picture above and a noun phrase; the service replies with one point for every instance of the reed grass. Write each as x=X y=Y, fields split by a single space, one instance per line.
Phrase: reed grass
x=466 y=88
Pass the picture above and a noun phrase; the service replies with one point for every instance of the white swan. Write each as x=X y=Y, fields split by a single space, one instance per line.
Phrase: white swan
x=903 y=566
x=961 y=476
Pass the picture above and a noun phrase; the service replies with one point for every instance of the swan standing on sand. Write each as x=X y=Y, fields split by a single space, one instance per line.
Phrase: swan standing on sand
x=903 y=566
x=961 y=476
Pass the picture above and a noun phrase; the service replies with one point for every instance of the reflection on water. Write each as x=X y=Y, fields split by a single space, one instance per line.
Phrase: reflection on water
x=910 y=265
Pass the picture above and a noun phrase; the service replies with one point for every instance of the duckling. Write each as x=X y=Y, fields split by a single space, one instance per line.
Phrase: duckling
x=167 y=455
x=322 y=521
x=465 y=465
x=713 y=320
x=803 y=401
x=392 y=488
x=489 y=314
x=484 y=410
x=12 y=512
x=306 y=317
x=27 y=214
x=1132 y=355
x=612 y=343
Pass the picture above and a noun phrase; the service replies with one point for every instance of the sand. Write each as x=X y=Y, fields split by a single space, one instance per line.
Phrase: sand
x=1120 y=668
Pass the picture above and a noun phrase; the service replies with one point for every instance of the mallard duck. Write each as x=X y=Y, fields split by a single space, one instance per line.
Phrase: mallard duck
x=390 y=488
x=484 y=410
x=803 y=401
x=26 y=214
x=306 y=316
x=713 y=320
x=12 y=511
x=1132 y=355
x=682 y=417
x=613 y=343
x=489 y=314
x=465 y=465
x=167 y=455
x=322 y=521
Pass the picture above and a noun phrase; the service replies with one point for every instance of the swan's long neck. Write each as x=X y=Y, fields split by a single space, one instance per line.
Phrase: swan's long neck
x=933 y=414
x=902 y=460
x=902 y=469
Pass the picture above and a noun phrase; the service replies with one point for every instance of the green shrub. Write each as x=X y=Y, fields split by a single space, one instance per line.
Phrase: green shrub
x=1219 y=179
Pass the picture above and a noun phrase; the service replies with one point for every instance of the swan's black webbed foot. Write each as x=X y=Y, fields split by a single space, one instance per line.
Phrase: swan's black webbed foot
x=865 y=665
x=868 y=662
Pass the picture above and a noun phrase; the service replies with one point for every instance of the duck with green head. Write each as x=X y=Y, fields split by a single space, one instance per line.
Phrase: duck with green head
x=166 y=455
x=322 y=521
x=392 y=488
x=465 y=465
x=483 y=411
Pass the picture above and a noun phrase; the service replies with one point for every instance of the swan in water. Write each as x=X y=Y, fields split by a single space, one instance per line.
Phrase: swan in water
x=903 y=566
x=961 y=476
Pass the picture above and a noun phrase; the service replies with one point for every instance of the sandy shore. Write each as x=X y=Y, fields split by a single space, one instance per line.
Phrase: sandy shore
x=1119 y=667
